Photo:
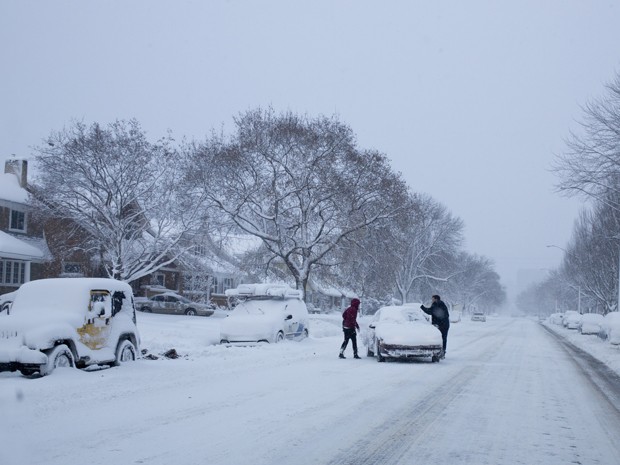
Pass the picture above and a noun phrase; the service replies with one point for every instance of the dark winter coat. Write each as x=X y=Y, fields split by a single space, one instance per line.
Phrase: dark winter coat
x=439 y=313
x=349 y=316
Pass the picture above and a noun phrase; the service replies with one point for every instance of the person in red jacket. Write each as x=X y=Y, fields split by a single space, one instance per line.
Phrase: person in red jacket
x=350 y=327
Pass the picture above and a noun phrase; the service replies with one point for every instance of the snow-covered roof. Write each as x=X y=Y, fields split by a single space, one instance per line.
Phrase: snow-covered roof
x=12 y=247
x=264 y=289
x=11 y=190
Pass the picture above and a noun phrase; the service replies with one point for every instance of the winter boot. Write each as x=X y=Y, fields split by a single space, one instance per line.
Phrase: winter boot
x=356 y=356
x=341 y=355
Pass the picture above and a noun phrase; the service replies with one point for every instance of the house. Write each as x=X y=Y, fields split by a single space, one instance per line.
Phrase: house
x=23 y=248
x=323 y=298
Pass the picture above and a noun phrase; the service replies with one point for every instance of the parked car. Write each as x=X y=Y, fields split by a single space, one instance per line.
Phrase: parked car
x=265 y=313
x=174 y=304
x=478 y=316
x=592 y=323
x=572 y=319
x=556 y=318
x=455 y=316
x=612 y=327
x=400 y=332
x=69 y=322
x=5 y=302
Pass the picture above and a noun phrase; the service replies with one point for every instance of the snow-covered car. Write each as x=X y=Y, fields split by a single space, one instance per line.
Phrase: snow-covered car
x=455 y=316
x=5 y=302
x=556 y=318
x=572 y=319
x=612 y=327
x=69 y=322
x=400 y=332
x=592 y=323
x=265 y=313
x=478 y=316
x=174 y=304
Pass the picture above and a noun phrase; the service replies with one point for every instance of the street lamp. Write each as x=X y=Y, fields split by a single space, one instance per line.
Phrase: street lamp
x=579 y=287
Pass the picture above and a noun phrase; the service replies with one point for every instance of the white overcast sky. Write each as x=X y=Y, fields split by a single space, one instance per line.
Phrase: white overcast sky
x=469 y=99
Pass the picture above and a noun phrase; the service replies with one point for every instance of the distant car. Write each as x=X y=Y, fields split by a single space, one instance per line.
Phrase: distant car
x=478 y=316
x=401 y=332
x=265 y=313
x=455 y=316
x=612 y=327
x=174 y=304
x=69 y=322
x=592 y=323
x=556 y=318
x=571 y=320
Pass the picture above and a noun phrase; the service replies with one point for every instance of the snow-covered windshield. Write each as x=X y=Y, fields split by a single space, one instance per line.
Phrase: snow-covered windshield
x=401 y=314
x=259 y=307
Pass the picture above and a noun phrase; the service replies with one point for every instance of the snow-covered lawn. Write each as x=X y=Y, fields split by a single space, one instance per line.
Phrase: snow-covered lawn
x=296 y=402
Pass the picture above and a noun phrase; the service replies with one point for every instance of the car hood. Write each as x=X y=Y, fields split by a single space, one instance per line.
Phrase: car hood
x=408 y=334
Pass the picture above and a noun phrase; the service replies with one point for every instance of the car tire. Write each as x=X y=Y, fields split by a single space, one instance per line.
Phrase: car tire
x=380 y=358
x=191 y=312
x=58 y=357
x=279 y=337
x=435 y=359
x=125 y=352
x=305 y=334
x=146 y=309
x=369 y=352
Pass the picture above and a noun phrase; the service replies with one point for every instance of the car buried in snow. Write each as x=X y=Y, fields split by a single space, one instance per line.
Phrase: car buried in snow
x=265 y=313
x=402 y=332
x=68 y=322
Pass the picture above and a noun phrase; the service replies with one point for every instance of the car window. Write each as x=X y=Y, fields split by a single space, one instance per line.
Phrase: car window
x=157 y=298
x=171 y=299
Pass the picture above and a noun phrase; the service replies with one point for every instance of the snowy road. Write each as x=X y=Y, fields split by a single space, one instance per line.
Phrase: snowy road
x=508 y=393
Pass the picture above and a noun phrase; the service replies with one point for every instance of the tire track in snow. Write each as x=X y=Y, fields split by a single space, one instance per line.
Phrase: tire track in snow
x=390 y=441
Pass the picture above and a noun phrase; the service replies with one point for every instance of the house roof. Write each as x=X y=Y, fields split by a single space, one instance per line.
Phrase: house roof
x=12 y=247
x=11 y=190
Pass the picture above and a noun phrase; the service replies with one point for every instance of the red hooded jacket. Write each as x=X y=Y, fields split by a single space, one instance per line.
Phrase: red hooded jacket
x=349 y=316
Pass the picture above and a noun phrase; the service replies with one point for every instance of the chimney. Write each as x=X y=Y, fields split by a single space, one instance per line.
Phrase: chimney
x=20 y=169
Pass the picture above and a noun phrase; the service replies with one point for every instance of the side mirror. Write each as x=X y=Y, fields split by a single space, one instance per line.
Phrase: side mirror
x=288 y=317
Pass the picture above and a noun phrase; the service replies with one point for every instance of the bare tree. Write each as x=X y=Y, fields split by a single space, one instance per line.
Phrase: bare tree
x=590 y=261
x=430 y=235
x=301 y=185
x=475 y=282
x=591 y=165
x=124 y=193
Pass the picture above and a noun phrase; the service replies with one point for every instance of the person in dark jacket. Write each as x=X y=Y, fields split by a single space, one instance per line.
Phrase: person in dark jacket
x=350 y=327
x=439 y=318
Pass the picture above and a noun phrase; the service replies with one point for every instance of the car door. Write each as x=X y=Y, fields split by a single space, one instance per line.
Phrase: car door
x=290 y=322
x=158 y=304
x=172 y=305
x=95 y=332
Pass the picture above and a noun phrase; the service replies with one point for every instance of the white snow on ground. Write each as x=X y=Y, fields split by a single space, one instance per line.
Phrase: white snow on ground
x=506 y=394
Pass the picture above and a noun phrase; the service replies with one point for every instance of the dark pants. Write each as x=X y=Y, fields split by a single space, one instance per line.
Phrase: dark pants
x=444 y=336
x=349 y=333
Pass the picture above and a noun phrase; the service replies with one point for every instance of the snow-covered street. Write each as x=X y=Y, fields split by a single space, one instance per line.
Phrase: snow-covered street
x=507 y=393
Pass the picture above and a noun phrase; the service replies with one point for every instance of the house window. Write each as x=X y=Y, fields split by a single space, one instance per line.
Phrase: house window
x=227 y=283
x=12 y=273
x=18 y=221
x=72 y=269
x=215 y=286
x=159 y=279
